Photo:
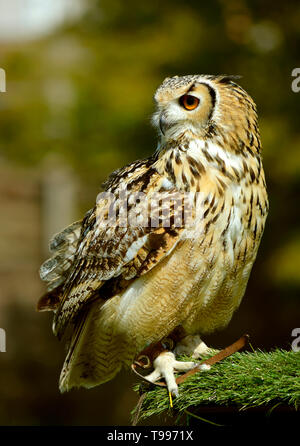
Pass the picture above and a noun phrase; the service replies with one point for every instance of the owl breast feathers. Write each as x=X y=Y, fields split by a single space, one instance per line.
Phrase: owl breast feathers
x=172 y=238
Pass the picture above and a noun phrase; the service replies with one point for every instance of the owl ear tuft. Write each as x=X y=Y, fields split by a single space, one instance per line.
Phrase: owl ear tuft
x=227 y=79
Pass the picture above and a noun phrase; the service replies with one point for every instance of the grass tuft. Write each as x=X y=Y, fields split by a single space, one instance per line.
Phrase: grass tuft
x=242 y=380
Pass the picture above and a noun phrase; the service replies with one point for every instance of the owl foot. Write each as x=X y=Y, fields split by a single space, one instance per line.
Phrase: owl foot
x=162 y=357
x=165 y=365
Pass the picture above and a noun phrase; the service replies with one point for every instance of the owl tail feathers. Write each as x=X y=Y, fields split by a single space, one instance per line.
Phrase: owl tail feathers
x=96 y=354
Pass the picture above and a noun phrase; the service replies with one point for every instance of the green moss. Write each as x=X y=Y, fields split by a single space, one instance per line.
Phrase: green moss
x=243 y=380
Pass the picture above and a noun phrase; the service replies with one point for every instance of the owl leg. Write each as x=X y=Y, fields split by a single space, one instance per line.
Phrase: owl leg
x=193 y=346
x=162 y=357
x=165 y=365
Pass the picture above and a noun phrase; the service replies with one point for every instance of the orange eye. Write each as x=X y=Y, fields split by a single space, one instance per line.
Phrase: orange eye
x=189 y=102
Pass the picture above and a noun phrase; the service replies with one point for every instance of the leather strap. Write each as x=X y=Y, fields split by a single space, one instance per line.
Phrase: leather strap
x=233 y=348
x=236 y=346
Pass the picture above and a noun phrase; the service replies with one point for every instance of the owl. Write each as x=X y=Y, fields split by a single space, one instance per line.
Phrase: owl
x=167 y=250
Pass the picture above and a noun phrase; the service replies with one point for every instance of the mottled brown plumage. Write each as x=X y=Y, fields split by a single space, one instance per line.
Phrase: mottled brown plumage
x=171 y=243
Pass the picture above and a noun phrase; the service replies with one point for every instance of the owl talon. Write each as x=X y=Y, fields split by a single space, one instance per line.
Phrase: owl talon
x=164 y=367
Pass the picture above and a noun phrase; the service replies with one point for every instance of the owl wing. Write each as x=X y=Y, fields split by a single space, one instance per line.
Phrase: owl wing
x=55 y=270
x=108 y=249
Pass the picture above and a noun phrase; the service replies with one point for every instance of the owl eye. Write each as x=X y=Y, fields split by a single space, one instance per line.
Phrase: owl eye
x=189 y=102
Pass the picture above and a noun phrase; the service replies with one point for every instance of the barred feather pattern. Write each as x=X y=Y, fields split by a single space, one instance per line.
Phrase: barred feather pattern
x=123 y=287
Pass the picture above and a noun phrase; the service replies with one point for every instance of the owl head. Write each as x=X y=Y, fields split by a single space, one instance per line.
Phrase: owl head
x=203 y=106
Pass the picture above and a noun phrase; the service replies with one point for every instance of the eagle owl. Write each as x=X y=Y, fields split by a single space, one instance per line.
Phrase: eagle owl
x=170 y=243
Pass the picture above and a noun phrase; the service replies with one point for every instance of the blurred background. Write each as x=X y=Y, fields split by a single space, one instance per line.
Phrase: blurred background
x=80 y=77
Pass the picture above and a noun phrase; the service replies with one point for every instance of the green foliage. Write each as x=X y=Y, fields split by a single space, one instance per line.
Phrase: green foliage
x=243 y=380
